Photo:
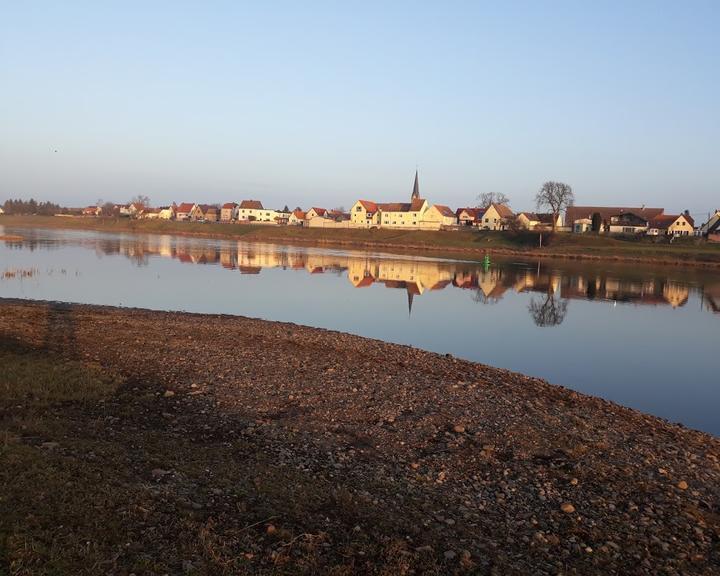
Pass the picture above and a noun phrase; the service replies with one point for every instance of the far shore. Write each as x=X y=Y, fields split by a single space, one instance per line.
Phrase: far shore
x=134 y=441
x=462 y=244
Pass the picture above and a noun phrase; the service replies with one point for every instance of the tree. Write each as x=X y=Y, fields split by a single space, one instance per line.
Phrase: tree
x=548 y=311
x=144 y=201
x=339 y=209
x=286 y=209
x=487 y=198
x=555 y=196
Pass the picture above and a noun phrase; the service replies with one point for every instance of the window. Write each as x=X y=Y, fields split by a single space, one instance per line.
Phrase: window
x=358 y=209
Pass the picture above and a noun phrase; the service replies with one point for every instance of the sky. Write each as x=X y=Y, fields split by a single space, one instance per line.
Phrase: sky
x=322 y=103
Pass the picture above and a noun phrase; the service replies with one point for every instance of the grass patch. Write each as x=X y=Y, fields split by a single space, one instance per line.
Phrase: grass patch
x=40 y=379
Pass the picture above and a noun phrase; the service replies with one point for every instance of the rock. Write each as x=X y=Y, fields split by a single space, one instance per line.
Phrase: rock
x=574 y=481
x=449 y=555
x=567 y=508
x=159 y=473
x=270 y=529
x=169 y=394
x=49 y=445
x=459 y=429
x=682 y=485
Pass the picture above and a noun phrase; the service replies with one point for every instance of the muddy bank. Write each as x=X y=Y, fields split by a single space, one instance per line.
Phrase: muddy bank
x=289 y=449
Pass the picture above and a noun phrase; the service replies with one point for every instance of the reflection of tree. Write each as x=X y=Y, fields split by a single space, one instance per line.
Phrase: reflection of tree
x=547 y=311
x=482 y=298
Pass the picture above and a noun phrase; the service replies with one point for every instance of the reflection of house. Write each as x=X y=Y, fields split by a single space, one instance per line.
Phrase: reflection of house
x=496 y=217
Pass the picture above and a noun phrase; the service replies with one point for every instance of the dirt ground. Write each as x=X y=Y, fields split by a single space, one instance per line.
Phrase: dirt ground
x=139 y=442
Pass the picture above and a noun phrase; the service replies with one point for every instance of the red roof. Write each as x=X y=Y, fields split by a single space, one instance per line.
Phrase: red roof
x=575 y=213
x=229 y=206
x=369 y=206
x=185 y=207
x=475 y=213
x=366 y=281
x=665 y=220
x=503 y=210
x=318 y=211
x=445 y=210
x=252 y=204
x=413 y=206
x=299 y=214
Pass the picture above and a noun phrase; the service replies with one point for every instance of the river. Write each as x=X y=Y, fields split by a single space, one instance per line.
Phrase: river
x=645 y=337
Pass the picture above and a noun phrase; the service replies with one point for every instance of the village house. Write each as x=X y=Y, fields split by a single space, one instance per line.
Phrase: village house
x=253 y=211
x=469 y=216
x=92 y=211
x=438 y=216
x=228 y=212
x=297 y=218
x=402 y=214
x=187 y=211
x=315 y=212
x=533 y=221
x=365 y=214
x=671 y=225
x=166 y=212
x=148 y=214
x=713 y=232
x=212 y=214
x=711 y=223
x=282 y=217
x=610 y=219
x=496 y=217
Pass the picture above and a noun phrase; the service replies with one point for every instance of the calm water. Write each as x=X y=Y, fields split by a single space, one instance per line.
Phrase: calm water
x=643 y=337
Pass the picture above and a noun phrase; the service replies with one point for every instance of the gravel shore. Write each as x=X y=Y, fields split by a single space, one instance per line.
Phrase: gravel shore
x=383 y=458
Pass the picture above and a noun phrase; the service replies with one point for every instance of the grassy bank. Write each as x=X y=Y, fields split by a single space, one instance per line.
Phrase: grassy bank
x=143 y=442
x=474 y=244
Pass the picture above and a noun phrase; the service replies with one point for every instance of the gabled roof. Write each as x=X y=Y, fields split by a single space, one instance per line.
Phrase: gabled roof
x=369 y=206
x=666 y=220
x=445 y=210
x=318 y=211
x=503 y=210
x=574 y=213
x=476 y=213
x=299 y=214
x=229 y=206
x=185 y=207
x=530 y=216
x=251 y=204
x=413 y=206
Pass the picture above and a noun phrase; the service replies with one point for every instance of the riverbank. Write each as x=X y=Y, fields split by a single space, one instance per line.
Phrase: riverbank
x=150 y=442
x=458 y=244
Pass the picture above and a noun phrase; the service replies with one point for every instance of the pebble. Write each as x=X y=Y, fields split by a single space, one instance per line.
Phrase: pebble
x=169 y=394
x=449 y=555
x=459 y=429
x=682 y=485
x=567 y=508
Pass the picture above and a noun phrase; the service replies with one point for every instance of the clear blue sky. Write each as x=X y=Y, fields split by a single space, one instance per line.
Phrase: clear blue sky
x=319 y=103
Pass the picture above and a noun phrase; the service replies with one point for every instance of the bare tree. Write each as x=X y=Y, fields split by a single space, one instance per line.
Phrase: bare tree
x=487 y=198
x=144 y=201
x=548 y=311
x=555 y=196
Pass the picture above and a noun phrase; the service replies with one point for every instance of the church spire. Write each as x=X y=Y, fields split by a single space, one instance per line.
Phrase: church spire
x=416 y=188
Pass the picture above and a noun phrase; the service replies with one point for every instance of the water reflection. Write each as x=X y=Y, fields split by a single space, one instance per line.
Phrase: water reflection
x=552 y=284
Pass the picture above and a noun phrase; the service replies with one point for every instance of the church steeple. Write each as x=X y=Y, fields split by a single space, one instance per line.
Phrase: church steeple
x=416 y=188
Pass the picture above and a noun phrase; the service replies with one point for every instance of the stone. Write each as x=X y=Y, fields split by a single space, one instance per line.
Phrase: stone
x=270 y=529
x=682 y=485
x=567 y=508
x=169 y=394
x=459 y=429
x=49 y=445
x=449 y=555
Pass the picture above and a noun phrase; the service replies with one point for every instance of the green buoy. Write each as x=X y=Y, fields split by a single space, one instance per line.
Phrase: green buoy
x=486 y=262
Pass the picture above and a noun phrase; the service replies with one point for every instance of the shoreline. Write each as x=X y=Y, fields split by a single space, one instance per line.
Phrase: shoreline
x=366 y=453
x=398 y=241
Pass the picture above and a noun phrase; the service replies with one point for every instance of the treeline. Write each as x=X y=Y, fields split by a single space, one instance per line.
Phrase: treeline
x=32 y=207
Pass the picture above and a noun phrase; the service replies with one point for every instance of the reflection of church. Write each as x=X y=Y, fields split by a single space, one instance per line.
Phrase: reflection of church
x=418 y=276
